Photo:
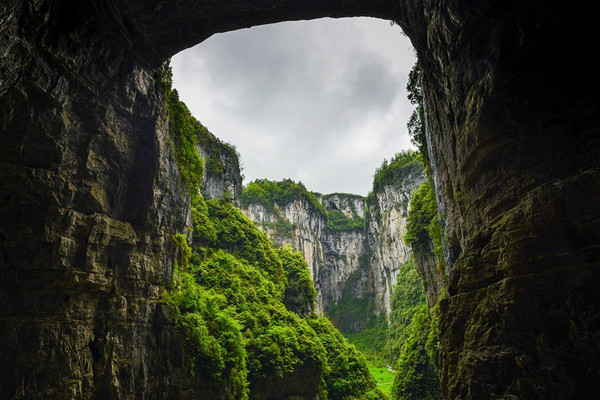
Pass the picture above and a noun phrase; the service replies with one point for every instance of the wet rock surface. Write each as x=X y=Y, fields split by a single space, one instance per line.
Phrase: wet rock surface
x=89 y=193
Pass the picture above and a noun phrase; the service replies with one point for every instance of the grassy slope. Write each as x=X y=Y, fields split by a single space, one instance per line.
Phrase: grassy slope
x=383 y=376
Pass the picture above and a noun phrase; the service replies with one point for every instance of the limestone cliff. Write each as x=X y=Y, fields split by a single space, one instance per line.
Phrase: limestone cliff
x=354 y=246
x=388 y=206
x=222 y=176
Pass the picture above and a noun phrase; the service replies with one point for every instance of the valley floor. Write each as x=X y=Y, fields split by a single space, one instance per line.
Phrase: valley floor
x=384 y=377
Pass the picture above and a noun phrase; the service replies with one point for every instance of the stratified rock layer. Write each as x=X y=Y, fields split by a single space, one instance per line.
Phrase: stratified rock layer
x=89 y=194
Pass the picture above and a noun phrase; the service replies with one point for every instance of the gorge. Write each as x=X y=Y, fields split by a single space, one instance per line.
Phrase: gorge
x=351 y=246
x=90 y=182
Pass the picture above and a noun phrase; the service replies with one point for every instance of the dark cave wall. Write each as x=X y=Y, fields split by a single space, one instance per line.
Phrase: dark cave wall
x=513 y=131
x=90 y=195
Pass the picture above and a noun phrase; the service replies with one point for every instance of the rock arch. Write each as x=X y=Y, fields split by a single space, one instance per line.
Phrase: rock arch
x=88 y=183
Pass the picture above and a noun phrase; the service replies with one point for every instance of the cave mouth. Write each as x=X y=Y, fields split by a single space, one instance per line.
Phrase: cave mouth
x=330 y=91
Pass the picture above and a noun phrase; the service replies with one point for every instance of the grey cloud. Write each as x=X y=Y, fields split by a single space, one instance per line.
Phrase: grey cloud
x=312 y=86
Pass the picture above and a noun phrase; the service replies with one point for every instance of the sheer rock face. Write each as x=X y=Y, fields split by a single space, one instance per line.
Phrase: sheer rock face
x=360 y=263
x=331 y=256
x=431 y=272
x=89 y=194
x=227 y=180
x=385 y=235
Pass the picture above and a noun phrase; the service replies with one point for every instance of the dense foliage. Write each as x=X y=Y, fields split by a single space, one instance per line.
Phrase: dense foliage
x=408 y=342
x=281 y=228
x=416 y=377
x=271 y=194
x=372 y=340
x=187 y=133
x=300 y=293
x=230 y=291
x=402 y=166
x=423 y=226
x=407 y=298
x=338 y=221
x=347 y=375
x=229 y=309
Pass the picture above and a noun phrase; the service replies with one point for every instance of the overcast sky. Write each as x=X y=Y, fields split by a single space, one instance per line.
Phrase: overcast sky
x=323 y=102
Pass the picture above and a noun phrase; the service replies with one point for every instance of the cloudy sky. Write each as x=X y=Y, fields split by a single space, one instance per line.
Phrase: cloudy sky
x=323 y=102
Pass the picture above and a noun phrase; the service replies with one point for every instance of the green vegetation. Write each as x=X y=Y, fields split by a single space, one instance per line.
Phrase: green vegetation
x=281 y=227
x=416 y=378
x=408 y=298
x=229 y=310
x=231 y=288
x=184 y=130
x=275 y=195
x=187 y=133
x=423 y=225
x=413 y=335
x=300 y=293
x=409 y=342
x=372 y=340
x=352 y=313
x=395 y=171
x=383 y=376
x=271 y=193
x=338 y=221
x=347 y=375
x=402 y=166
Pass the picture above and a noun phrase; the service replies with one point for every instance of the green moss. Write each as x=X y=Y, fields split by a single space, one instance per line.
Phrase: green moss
x=184 y=252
